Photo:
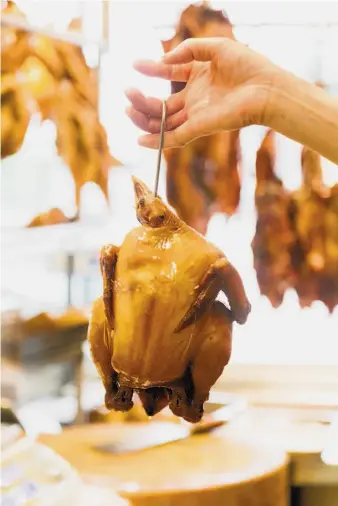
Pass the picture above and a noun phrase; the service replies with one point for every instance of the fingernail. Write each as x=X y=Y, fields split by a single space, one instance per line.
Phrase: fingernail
x=145 y=142
x=140 y=63
x=142 y=141
x=168 y=55
x=130 y=92
x=165 y=56
x=136 y=64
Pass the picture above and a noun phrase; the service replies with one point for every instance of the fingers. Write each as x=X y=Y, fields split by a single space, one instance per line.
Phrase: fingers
x=151 y=106
x=172 y=139
x=153 y=125
x=195 y=49
x=179 y=73
x=189 y=130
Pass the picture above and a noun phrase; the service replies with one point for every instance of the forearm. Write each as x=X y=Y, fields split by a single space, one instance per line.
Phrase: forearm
x=305 y=113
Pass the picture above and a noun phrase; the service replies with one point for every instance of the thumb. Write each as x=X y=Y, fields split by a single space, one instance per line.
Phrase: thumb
x=195 y=49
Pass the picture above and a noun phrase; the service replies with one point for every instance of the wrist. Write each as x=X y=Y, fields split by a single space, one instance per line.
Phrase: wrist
x=277 y=98
x=263 y=104
x=303 y=112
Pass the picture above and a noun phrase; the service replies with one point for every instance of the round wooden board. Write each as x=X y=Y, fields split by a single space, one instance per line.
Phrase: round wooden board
x=210 y=469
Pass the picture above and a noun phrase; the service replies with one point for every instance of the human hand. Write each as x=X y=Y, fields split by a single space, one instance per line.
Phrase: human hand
x=228 y=87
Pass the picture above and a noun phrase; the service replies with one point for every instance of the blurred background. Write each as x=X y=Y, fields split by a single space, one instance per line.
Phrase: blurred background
x=68 y=151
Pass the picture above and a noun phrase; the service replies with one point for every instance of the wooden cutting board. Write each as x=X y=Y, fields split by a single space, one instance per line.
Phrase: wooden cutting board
x=208 y=469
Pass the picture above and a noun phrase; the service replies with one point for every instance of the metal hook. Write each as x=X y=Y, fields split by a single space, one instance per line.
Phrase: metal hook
x=159 y=156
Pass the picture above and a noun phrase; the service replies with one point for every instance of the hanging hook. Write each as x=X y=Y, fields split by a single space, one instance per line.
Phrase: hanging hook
x=160 y=148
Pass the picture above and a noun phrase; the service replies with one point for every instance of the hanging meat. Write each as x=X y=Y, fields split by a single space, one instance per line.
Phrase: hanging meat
x=81 y=140
x=52 y=217
x=331 y=236
x=206 y=170
x=14 y=43
x=329 y=284
x=315 y=222
x=15 y=114
x=274 y=240
x=15 y=107
x=52 y=77
x=158 y=329
x=296 y=239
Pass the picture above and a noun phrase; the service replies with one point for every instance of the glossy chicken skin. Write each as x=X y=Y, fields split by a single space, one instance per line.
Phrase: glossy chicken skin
x=163 y=334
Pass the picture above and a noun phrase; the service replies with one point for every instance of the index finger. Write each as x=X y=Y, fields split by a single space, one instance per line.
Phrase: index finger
x=152 y=106
x=201 y=49
x=180 y=72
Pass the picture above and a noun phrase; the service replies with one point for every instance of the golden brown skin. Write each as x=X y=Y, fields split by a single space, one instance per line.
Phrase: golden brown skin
x=169 y=338
x=207 y=168
x=274 y=239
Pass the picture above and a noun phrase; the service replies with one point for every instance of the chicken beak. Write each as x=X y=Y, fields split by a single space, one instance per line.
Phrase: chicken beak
x=141 y=190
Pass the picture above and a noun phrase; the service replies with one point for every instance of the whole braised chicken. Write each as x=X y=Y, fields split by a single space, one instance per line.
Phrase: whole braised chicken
x=207 y=168
x=274 y=239
x=158 y=329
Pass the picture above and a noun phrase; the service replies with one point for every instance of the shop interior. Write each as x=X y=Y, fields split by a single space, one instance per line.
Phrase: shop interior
x=269 y=433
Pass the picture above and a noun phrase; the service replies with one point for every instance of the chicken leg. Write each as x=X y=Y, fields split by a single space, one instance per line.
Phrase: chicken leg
x=100 y=344
x=100 y=335
x=108 y=260
x=221 y=276
x=208 y=362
